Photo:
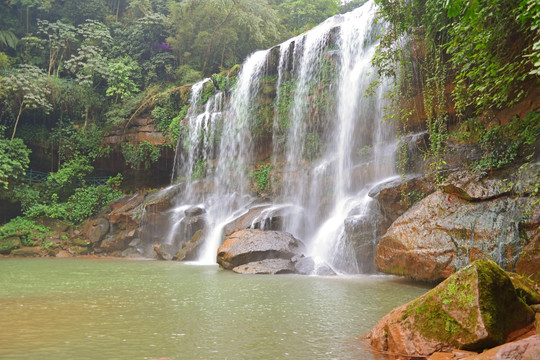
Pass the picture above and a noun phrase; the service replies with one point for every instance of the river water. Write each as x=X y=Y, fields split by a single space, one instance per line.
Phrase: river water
x=118 y=309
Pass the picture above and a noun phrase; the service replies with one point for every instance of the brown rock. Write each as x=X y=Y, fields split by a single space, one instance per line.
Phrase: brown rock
x=442 y=233
x=189 y=250
x=524 y=349
x=470 y=186
x=389 y=194
x=474 y=309
x=63 y=254
x=529 y=262
x=28 y=252
x=252 y=245
x=119 y=241
x=165 y=251
x=95 y=229
x=243 y=221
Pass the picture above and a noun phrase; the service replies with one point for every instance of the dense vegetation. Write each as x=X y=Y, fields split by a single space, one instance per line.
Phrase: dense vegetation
x=467 y=59
x=73 y=71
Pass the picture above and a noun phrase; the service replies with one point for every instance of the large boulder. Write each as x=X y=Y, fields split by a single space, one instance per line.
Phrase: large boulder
x=253 y=245
x=443 y=232
x=474 y=309
x=95 y=229
x=165 y=251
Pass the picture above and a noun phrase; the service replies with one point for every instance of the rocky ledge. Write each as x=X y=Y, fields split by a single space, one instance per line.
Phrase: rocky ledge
x=468 y=219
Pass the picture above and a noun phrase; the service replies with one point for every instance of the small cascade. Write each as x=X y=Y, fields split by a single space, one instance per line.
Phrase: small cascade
x=328 y=141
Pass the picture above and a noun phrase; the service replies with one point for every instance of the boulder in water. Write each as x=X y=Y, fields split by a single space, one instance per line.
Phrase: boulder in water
x=474 y=309
x=189 y=250
x=165 y=251
x=304 y=265
x=253 y=245
x=267 y=267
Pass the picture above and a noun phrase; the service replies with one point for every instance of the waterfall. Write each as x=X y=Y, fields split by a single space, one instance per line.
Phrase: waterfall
x=328 y=139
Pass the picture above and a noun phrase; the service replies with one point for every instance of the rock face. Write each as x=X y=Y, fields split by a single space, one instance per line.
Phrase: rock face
x=253 y=245
x=444 y=232
x=474 y=309
x=524 y=349
x=529 y=262
x=389 y=194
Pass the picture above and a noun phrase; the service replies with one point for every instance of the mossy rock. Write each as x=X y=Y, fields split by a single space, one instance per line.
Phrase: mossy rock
x=28 y=252
x=80 y=242
x=525 y=288
x=79 y=250
x=9 y=244
x=474 y=309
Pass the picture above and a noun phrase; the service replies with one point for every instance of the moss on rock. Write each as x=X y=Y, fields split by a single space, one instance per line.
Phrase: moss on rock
x=474 y=309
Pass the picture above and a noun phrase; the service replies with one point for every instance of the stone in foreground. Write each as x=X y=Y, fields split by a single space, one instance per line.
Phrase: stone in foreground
x=474 y=309
x=252 y=245
x=524 y=349
x=267 y=267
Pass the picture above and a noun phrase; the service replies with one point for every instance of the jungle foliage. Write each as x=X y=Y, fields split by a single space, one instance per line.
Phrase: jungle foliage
x=467 y=59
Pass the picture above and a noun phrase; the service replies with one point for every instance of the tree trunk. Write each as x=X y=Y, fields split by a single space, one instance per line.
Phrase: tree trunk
x=17 y=122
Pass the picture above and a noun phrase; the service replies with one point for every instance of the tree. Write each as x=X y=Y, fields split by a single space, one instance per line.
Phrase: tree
x=122 y=73
x=14 y=160
x=214 y=33
x=299 y=15
x=29 y=90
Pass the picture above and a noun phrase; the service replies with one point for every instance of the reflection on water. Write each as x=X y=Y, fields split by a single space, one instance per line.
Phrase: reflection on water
x=112 y=309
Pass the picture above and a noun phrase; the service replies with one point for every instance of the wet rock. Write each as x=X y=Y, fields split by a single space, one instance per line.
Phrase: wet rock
x=526 y=289
x=363 y=232
x=268 y=267
x=63 y=254
x=165 y=251
x=244 y=221
x=28 y=252
x=132 y=253
x=389 y=194
x=272 y=218
x=529 y=262
x=119 y=241
x=524 y=349
x=443 y=232
x=324 y=270
x=304 y=265
x=474 y=309
x=194 y=220
x=252 y=245
x=9 y=244
x=472 y=187
x=190 y=250
x=194 y=211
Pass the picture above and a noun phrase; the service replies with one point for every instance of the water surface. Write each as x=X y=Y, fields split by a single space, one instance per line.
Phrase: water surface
x=114 y=309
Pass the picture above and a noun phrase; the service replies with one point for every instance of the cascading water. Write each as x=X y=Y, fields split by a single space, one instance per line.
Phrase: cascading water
x=328 y=138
